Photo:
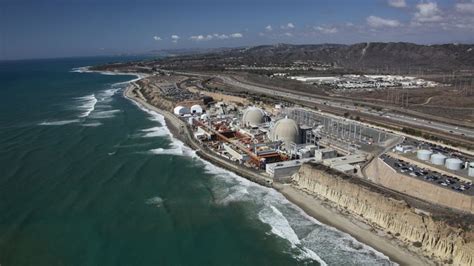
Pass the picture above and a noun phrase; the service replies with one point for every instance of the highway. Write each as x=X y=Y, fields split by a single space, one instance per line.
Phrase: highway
x=395 y=117
x=449 y=129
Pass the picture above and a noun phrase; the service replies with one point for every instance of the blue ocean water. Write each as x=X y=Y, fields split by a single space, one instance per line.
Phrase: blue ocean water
x=89 y=178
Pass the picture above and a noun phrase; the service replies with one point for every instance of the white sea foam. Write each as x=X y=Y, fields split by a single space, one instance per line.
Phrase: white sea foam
x=282 y=228
x=233 y=194
x=106 y=95
x=84 y=69
x=99 y=100
x=171 y=151
x=92 y=124
x=177 y=146
x=58 y=123
x=155 y=132
x=104 y=114
x=156 y=201
x=138 y=77
x=87 y=104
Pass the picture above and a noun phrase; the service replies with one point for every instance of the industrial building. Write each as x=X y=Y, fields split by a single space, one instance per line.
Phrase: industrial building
x=277 y=141
x=282 y=171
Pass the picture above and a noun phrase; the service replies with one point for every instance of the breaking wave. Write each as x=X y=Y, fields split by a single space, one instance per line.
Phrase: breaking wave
x=155 y=132
x=96 y=106
x=58 y=123
x=282 y=228
x=155 y=201
x=87 y=104
x=92 y=124
x=172 y=151
x=104 y=114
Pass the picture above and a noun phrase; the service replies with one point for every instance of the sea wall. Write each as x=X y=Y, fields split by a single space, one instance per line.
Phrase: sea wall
x=380 y=173
x=433 y=236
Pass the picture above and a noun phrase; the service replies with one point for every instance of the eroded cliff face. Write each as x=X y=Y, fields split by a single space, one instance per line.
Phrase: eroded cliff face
x=435 y=237
x=154 y=98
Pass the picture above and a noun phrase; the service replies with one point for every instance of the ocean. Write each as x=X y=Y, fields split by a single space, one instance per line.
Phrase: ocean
x=88 y=177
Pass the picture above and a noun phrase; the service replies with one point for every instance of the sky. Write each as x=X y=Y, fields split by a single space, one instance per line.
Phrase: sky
x=64 y=28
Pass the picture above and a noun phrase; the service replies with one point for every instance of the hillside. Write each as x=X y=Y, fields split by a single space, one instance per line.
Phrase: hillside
x=362 y=56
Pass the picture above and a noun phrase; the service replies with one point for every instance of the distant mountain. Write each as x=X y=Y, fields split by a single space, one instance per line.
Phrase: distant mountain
x=363 y=56
x=187 y=51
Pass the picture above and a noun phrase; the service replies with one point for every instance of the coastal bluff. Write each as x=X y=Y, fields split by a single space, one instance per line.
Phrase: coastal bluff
x=445 y=237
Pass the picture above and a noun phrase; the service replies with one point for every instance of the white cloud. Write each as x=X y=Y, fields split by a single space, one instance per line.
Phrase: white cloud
x=397 y=3
x=174 y=38
x=221 y=36
x=269 y=28
x=427 y=12
x=289 y=34
x=465 y=7
x=326 y=30
x=288 y=26
x=215 y=36
x=157 y=38
x=378 y=22
x=236 y=35
x=198 y=38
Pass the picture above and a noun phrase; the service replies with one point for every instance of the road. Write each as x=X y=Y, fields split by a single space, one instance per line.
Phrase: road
x=395 y=117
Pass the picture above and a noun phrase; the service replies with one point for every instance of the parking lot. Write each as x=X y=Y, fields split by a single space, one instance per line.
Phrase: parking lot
x=446 y=181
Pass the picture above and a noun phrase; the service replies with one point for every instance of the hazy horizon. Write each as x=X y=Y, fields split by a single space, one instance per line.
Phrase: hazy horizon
x=57 y=28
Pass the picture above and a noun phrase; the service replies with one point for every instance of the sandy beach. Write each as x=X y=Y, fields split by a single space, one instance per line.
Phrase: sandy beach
x=360 y=231
x=311 y=205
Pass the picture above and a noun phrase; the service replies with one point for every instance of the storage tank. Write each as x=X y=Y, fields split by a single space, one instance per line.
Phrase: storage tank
x=196 y=109
x=424 y=154
x=453 y=164
x=470 y=171
x=438 y=159
x=180 y=110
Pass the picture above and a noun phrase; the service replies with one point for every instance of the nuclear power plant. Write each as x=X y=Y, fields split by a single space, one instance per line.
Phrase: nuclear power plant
x=276 y=141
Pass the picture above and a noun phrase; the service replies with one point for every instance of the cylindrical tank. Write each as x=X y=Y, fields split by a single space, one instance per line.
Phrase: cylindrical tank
x=438 y=159
x=470 y=167
x=424 y=154
x=453 y=164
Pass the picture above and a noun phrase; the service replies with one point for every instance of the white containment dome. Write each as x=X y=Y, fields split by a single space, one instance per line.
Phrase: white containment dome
x=196 y=109
x=438 y=159
x=454 y=164
x=424 y=155
x=253 y=116
x=180 y=110
x=286 y=130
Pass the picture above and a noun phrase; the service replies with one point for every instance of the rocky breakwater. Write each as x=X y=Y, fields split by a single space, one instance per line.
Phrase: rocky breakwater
x=443 y=236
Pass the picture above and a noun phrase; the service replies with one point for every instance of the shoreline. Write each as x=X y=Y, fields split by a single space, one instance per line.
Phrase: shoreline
x=312 y=206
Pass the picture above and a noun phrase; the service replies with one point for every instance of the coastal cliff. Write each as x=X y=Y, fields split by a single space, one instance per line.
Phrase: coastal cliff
x=444 y=238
